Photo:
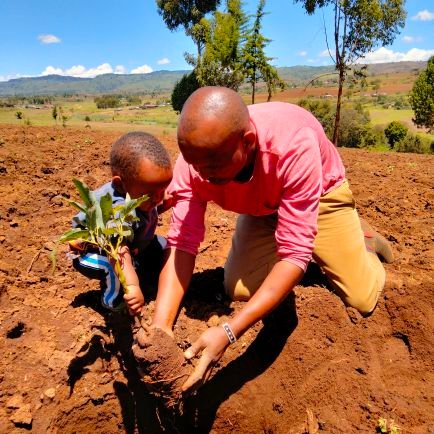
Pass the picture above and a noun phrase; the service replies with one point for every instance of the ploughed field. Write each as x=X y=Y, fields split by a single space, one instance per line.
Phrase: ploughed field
x=314 y=366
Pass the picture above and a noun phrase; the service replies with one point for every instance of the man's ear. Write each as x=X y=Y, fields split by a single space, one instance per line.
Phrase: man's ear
x=249 y=139
x=118 y=184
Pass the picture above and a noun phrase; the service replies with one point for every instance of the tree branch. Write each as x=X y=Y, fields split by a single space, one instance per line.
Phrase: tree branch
x=318 y=76
x=327 y=41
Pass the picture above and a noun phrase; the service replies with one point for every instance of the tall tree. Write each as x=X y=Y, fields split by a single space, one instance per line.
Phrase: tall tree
x=254 y=62
x=422 y=97
x=272 y=80
x=359 y=26
x=254 y=59
x=219 y=64
x=188 y=14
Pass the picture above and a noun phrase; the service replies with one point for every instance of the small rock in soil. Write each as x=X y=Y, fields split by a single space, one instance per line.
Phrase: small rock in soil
x=15 y=402
x=23 y=416
x=50 y=393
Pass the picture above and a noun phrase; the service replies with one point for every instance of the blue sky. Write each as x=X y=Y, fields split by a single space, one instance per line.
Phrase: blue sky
x=85 y=38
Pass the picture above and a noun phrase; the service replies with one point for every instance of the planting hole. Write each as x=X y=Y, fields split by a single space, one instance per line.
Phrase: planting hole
x=16 y=331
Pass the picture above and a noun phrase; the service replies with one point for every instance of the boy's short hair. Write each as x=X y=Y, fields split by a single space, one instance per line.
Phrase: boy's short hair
x=131 y=148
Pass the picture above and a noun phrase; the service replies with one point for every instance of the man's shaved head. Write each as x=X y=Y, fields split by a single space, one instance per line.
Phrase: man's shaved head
x=213 y=109
x=215 y=135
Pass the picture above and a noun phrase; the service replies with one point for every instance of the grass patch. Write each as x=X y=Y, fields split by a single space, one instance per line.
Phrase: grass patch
x=153 y=120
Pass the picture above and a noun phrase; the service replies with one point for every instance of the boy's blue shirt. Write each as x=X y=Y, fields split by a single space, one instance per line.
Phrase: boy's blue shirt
x=143 y=229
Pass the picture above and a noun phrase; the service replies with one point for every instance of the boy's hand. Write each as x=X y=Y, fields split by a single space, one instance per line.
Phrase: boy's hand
x=77 y=245
x=134 y=299
x=166 y=203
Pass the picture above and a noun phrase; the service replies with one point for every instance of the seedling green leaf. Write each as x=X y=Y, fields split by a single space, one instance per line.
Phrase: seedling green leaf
x=106 y=208
x=105 y=226
x=84 y=192
x=77 y=205
x=75 y=234
x=131 y=204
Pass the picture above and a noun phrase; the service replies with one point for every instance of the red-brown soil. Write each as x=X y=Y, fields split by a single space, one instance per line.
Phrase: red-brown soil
x=66 y=364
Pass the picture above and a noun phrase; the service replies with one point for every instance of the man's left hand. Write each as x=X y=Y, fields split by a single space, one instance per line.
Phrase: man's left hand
x=211 y=344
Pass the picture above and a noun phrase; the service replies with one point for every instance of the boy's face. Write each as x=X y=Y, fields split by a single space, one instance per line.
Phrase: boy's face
x=151 y=180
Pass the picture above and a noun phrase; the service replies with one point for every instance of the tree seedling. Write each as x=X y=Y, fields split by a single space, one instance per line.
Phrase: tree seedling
x=387 y=427
x=102 y=225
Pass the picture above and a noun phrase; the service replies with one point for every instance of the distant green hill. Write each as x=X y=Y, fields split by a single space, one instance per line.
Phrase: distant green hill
x=159 y=81
x=162 y=81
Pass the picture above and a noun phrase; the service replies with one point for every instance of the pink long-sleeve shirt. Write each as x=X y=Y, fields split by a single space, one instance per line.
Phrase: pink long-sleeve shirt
x=295 y=164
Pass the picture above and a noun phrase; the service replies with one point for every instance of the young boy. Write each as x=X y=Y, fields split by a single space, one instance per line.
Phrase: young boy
x=140 y=166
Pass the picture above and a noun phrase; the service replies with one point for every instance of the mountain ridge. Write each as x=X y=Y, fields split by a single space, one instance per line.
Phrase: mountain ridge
x=163 y=81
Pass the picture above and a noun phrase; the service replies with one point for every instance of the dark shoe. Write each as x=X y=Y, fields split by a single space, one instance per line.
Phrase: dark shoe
x=376 y=243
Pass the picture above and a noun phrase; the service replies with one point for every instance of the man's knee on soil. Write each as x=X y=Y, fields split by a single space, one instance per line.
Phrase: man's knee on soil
x=235 y=289
x=365 y=304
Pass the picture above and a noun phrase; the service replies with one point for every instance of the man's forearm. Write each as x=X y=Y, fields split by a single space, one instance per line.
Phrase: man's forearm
x=173 y=283
x=277 y=285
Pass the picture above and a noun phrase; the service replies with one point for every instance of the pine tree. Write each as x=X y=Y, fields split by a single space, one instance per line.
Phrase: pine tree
x=255 y=63
x=219 y=65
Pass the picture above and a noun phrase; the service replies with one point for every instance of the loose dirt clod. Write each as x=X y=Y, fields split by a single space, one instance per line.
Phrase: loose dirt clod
x=162 y=365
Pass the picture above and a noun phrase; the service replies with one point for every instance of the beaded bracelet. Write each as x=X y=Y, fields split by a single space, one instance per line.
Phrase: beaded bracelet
x=229 y=333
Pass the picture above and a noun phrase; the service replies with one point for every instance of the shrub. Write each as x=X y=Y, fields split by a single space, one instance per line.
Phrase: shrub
x=374 y=137
x=183 y=89
x=134 y=100
x=414 y=143
x=107 y=101
x=323 y=111
x=395 y=132
x=354 y=129
x=422 y=97
x=401 y=103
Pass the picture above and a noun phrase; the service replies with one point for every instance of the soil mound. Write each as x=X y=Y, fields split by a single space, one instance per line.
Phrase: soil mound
x=162 y=365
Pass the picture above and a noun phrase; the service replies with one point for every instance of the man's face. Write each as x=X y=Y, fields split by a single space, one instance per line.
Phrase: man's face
x=217 y=164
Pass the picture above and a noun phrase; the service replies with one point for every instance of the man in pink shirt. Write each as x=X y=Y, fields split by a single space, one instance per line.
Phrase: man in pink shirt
x=273 y=164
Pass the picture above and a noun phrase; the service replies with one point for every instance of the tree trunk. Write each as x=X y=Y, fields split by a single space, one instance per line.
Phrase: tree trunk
x=338 y=105
x=253 y=87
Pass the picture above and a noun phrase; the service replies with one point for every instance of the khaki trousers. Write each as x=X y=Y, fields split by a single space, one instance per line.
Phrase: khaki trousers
x=355 y=274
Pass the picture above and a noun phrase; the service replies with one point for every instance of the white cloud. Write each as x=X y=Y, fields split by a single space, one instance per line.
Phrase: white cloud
x=302 y=53
x=424 y=15
x=81 y=71
x=383 y=55
x=120 y=69
x=144 y=69
x=411 y=39
x=324 y=53
x=49 y=39
x=163 y=61
x=50 y=70
x=10 y=77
